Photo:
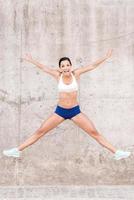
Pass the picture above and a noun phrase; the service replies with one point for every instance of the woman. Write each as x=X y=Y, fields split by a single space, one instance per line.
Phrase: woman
x=68 y=106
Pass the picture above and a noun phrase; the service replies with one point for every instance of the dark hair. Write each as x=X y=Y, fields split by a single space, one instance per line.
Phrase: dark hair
x=64 y=58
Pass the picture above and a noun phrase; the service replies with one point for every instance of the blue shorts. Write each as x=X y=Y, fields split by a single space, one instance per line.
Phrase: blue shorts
x=67 y=113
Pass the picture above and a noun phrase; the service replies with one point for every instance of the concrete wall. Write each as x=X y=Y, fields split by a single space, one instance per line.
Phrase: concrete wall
x=84 y=31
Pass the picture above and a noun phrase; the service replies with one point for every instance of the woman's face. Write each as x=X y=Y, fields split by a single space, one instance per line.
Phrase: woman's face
x=65 y=67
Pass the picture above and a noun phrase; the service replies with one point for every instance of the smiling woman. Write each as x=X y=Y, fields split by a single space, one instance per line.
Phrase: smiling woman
x=68 y=106
x=67 y=85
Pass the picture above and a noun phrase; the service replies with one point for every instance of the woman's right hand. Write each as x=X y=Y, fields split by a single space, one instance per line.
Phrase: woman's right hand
x=28 y=58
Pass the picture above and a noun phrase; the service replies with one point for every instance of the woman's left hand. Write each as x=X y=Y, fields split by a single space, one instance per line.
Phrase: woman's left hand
x=109 y=53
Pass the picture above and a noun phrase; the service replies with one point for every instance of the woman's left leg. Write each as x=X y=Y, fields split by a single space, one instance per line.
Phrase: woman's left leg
x=85 y=123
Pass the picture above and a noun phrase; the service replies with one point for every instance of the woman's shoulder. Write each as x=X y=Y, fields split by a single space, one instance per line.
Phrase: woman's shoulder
x=59 y=75
x=75 y=74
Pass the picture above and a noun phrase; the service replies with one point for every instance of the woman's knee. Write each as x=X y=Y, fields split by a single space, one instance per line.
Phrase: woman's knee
x=95 y=134
x=40 y=131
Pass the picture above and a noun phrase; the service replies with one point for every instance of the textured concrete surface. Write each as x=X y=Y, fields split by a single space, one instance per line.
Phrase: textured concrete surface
x=84 y=31
x=68 y=192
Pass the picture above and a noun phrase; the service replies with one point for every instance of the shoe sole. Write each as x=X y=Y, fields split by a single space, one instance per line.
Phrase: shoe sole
x=10 y=155
x=122 y=157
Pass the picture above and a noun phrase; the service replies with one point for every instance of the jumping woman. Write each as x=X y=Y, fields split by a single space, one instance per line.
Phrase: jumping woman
x=67 y=106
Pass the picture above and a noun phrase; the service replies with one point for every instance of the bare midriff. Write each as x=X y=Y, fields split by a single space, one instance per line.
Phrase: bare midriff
x=68 y=99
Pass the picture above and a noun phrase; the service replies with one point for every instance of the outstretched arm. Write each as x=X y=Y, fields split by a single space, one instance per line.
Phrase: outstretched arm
x=49 y=70
x=94 y=64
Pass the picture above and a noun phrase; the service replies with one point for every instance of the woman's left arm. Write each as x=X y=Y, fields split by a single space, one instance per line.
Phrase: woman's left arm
x=94 y=64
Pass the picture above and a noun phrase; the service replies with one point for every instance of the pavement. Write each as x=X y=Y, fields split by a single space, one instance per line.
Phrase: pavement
x=81 y=192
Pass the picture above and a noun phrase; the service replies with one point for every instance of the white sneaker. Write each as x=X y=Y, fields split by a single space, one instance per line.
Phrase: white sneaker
x=14 y=152
x=119 y=154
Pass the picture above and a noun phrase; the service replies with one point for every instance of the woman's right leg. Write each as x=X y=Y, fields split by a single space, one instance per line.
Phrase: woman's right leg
x=46 y=126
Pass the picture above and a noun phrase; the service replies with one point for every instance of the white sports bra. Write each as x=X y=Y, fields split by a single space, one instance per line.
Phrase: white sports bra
x=62 y=87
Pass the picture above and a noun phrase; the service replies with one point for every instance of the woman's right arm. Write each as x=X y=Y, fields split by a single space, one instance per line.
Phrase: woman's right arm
x=49 y=70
